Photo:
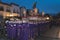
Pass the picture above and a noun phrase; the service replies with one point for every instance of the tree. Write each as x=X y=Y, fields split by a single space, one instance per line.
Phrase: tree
x=58 y=14
x=47 y=15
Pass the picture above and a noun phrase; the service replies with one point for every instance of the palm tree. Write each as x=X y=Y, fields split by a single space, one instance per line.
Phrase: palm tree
x=58 y=14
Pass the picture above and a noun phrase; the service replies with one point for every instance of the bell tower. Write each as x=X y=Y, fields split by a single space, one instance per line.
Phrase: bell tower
x=43 y=14
x=34 y=5
x=35 y=10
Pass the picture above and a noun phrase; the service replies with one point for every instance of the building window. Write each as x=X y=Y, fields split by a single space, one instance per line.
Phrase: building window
x=1 y=8
x=14 y=11
x=17 y=11
x=8 y=9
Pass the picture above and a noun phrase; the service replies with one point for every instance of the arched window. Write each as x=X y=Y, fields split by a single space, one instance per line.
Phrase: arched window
x=8 y=9
x=17 y=11
x=1 y=8
x=14 y=11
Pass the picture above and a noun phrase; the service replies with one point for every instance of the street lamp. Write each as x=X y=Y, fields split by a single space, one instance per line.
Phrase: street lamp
x=47 y=18
x=11 y=15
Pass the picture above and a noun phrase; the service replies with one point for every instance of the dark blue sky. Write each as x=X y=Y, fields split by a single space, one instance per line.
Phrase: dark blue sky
x=48 y=6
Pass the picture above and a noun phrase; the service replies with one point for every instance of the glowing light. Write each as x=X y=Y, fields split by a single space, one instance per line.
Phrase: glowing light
x=24 y=12
x=11 y=15
x=47 y=18
x=35 y=10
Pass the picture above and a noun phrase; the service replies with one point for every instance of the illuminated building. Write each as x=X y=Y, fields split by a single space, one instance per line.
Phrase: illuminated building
x=43 y=14
x=25 y=28
x=9 y=9
x=23 y=11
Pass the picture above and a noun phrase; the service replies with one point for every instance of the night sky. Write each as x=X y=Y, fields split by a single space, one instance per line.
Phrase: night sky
x=48 y=6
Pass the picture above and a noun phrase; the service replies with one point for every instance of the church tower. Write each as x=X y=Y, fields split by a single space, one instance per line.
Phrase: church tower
x=43 y=14
x=35 y=10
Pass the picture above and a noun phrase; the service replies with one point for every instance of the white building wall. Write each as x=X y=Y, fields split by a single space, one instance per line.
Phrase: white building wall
x=11 y=8
x=16 y=8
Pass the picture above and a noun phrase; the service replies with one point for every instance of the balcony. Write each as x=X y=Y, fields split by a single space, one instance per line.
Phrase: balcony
x=8 y=14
